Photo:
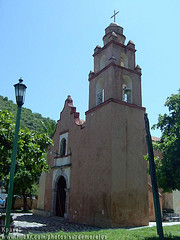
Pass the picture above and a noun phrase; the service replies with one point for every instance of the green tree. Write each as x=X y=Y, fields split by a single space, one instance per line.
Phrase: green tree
x=31 y=156
x=31 y=161
x=6 y=135
x=168 y=167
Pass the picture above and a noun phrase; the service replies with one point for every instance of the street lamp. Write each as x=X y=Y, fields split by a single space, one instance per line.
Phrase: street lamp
x=20 y=90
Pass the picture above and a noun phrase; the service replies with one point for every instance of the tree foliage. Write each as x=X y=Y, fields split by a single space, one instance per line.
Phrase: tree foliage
x=33 y=121
x=168 y=168
x=31 y=155
x=6 y=135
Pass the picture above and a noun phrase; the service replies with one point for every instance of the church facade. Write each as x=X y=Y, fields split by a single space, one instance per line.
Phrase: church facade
x=98 y=174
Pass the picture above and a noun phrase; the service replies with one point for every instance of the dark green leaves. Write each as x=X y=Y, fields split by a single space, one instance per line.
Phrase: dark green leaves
x=168 y=168
x=31 y=155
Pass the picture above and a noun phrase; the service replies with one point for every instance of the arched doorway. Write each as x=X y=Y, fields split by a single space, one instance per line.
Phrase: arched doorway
x=61 y=197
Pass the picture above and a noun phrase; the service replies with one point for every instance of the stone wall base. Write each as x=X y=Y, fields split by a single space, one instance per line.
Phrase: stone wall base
x=42 y=212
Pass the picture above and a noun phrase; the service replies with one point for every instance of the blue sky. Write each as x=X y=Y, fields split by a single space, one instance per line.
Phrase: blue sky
x=49 y=43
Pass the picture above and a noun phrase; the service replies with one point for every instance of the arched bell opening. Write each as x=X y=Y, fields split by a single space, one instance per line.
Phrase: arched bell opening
x=127 y=89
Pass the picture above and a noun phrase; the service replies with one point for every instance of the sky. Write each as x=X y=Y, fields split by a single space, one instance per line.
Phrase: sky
x=50 y=43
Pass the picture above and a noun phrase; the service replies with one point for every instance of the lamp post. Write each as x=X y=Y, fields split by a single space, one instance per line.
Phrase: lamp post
x=20 y=90
x=152 y=168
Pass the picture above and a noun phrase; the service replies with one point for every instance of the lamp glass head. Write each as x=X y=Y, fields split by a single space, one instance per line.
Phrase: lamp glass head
x=20 y=90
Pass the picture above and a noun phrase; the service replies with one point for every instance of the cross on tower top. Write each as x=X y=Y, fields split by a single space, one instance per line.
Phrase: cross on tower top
x=114 y=15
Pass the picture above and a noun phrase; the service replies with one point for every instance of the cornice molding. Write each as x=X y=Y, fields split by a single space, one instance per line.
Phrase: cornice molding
x=112 y=100
x=115 y=65
x=116 y=43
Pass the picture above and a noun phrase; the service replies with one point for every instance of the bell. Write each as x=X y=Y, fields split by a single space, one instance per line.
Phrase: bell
x=127 y=90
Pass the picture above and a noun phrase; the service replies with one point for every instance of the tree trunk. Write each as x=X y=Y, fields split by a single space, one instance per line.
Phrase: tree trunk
x=31 y=202
x=13 y=202
x=25 y=202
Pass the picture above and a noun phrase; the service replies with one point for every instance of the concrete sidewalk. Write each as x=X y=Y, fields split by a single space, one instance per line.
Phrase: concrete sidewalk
x=153 y=224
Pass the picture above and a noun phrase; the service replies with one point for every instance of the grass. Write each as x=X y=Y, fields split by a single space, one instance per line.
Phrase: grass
x=172 y=232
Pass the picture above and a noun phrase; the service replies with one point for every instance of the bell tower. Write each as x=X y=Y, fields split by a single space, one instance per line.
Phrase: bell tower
x=115 y=74
x=115 y=121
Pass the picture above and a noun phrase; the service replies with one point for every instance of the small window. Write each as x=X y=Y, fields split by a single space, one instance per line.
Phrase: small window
x=63 y=147
x=99 y=91
x=123 y=60
x=100 y=97
x=102 y=62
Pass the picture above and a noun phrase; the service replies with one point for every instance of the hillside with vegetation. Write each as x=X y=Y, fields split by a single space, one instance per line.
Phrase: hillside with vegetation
x=30 y=120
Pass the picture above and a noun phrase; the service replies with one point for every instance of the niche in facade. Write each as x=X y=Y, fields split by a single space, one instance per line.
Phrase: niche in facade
x=102 y=62
x=123 y=60
x=126 y=89
x=99 y=91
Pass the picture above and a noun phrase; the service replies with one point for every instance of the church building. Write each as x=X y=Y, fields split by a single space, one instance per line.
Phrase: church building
x=98 y=175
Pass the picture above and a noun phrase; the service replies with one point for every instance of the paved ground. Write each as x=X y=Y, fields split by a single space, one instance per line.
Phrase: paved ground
x=25 y=223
